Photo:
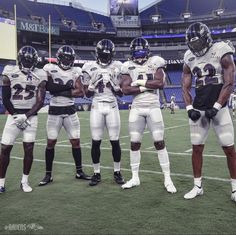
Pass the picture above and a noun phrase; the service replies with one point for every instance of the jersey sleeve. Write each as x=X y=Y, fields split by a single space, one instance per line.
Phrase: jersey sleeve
x=125 y=68
x=47 y=67
x=86 y=74
x=225 y=47
x=8 y=69
x=158 y=62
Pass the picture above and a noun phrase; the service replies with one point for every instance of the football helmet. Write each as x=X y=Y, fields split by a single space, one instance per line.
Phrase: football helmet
x=27 y=58
x=105 y=51
x=198 y=38
x=65 y=57
x=139 y=49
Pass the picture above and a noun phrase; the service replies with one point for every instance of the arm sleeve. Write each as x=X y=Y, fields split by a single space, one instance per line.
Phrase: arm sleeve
x=6 y=99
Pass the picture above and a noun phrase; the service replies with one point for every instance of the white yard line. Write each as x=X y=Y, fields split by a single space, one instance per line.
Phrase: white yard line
x=125 y=169
x=127 y=150
x=188 y=150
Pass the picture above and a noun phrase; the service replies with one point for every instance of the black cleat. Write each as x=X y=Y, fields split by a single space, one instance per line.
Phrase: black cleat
x=81 y=175
x=46 y=180
x=118 y=178
x=96 y=178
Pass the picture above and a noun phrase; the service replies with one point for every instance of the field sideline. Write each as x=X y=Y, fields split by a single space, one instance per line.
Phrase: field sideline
x=70 y=206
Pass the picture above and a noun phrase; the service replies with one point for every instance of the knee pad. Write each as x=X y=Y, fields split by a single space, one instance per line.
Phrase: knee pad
x=135 y=137
x=158 y=135
x=226 y=139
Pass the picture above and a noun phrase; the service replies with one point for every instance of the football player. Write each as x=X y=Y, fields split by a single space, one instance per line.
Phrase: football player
x=172 y=104
x=213 y=67
x=23 y=92
x=62 y=111
x=101 y=80
x=143 y=76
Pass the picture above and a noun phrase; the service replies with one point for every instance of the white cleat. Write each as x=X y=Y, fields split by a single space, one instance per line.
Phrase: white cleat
x=25 y=187
x=196 y=191
x=170 y=188
x=131 y=183
x=233 y=196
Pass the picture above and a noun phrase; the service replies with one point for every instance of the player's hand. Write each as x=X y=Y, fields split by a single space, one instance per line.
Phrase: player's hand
x=19 y=119
x=114 y=84
x=194 y=115
x=143 y=89
x=210 y=113
x=139 y=82
x=93 y=84
x=24 y=125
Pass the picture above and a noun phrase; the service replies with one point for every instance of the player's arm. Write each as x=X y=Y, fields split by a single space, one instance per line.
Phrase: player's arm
x=186 y=83
x=126 y=87
x=78 y=91
x=54 y=88
x=228 y=66
x=156 y=83
x=40 y=96
x=6 y=95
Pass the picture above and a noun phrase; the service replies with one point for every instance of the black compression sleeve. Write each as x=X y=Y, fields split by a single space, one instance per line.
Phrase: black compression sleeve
x=6 y=99
x=64 y=93
x=55 y=87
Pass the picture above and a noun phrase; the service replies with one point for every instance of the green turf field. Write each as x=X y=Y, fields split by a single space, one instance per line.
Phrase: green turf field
x=70 y=206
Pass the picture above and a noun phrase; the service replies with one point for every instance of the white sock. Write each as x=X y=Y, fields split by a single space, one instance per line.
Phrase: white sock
x=24 y=178
x=116 y=166
x=164 y=162
x=233 y=184
x=135 y=157
x=96 y=168
x=2 y=182
x=198 y=181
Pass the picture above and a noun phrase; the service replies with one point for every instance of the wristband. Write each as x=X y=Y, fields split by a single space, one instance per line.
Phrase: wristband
x=188 y=107
x=217 y=106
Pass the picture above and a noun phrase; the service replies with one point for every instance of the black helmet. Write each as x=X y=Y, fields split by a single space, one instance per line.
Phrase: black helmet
x=139 y=49
x=198 y=38
x=105 y=50
x=65 y=57
x=27 y=58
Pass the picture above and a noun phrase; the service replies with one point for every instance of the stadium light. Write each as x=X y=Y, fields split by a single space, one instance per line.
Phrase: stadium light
x=186 y=15
x=156 y=18
x=219 y=11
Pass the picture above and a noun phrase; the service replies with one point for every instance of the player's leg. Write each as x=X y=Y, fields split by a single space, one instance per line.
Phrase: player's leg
x=54 y=124
x=72 y=127
x=198 y=135
x=137 y=124
x=156 y=126
x=113 y=128
x=224 y=129
x=97 y=124
x=29 y=135
x=9 y=135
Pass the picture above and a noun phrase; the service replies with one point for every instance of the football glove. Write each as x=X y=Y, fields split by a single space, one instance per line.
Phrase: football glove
x=210 y=113
x=143 y=89
x=19 y=119
x=114 y=84
x=194 y=115
x=93 y=84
